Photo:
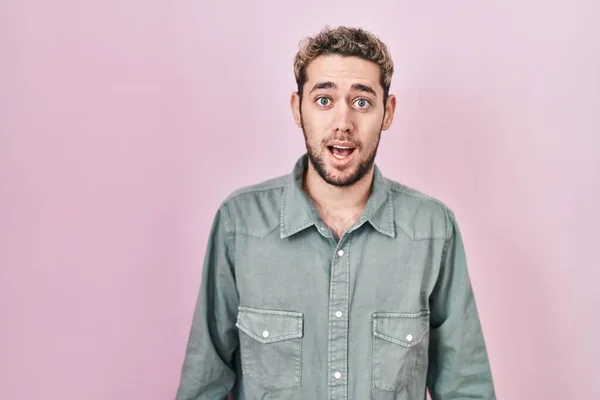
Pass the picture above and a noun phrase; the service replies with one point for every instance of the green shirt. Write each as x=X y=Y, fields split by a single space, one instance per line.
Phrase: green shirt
x=287 y=312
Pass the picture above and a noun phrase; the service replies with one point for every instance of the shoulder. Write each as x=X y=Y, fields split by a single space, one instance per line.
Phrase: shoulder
x=255 y=209
x=420 y=215
x=257 y=190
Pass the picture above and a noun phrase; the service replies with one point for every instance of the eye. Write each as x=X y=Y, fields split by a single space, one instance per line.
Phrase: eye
x=323 y=101
x=362 y=103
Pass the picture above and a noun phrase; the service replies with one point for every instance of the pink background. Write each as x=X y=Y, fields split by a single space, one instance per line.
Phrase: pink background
x=123 y=124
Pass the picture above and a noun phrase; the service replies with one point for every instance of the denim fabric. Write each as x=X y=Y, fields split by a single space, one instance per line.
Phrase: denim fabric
x=287 y=312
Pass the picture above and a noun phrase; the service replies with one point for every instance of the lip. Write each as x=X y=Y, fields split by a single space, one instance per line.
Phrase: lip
x=341 y=144
x=343 y=162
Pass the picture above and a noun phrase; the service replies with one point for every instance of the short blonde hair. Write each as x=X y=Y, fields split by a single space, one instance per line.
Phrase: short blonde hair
x=348 y=42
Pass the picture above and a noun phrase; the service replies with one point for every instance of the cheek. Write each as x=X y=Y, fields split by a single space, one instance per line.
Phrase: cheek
x=315 y=125
x=319 y=120
x=370 y=130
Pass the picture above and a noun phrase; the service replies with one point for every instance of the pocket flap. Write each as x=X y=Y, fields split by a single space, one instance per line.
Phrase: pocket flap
x=268 y=326
x=403 y=329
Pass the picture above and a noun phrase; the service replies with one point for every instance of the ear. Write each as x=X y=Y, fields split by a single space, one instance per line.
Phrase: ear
x=390 y=107
x=295 y=104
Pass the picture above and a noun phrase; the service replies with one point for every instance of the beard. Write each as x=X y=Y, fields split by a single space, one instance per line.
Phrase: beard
x=316 y=157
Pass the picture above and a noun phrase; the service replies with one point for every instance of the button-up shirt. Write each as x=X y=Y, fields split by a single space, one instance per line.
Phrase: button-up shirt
x=286 y=311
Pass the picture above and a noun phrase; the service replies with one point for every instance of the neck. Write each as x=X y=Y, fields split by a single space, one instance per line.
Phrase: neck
x=337 y=200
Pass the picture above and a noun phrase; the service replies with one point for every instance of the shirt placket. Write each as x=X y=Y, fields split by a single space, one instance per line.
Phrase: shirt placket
x=338 y=321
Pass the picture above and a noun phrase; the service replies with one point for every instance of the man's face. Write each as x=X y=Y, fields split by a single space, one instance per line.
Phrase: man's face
x=342 y=115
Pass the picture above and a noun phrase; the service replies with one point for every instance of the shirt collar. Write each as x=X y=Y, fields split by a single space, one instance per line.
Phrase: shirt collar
x=298 y=211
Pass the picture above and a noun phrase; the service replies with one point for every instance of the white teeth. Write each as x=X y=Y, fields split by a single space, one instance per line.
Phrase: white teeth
x=340 y=156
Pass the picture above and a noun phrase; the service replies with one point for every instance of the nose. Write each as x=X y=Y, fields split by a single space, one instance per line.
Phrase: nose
x=343 y=119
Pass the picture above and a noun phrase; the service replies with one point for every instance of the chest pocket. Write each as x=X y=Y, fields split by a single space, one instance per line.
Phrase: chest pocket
x=271 y=347
x=400 y=348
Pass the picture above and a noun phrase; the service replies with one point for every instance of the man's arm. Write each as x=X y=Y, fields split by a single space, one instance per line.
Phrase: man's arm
x=208 y=372
x=459 y=365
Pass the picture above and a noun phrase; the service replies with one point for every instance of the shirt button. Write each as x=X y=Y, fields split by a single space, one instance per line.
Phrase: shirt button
x=337 y=375
x=341 y=253
x=409 y=338
x=265 y=334
x=338 y=314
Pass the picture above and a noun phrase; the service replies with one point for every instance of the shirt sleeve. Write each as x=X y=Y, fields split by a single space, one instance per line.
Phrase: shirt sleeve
x=208 y=371
x=459 y=365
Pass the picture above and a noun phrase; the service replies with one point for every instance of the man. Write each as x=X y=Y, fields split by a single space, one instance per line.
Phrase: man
x=334 y=282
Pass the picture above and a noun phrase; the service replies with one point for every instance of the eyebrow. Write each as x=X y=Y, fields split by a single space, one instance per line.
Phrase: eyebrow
x=323 y=85
x=357 y=87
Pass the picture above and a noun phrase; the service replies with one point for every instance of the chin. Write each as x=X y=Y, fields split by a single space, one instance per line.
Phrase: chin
x=336 y=173
x=347 y=178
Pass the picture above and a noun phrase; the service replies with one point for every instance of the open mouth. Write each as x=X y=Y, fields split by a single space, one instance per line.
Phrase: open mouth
x=341 y=152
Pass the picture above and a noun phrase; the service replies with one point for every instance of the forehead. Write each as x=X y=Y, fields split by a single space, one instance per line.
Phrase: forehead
x=344 y=71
